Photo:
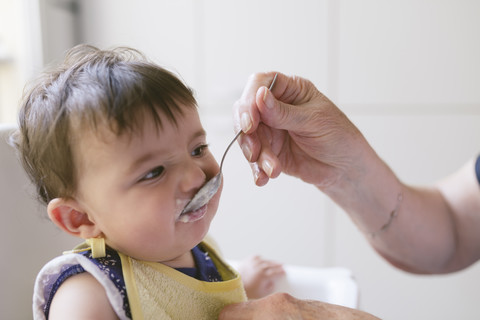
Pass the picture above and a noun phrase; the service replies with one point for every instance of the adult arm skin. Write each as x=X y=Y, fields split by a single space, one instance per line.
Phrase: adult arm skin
x=281 y=306
x=295 y=129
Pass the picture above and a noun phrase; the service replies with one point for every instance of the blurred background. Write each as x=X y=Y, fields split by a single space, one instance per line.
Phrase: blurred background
x=406 y=72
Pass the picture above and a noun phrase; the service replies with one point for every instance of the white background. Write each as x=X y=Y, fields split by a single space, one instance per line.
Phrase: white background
x=406 y=72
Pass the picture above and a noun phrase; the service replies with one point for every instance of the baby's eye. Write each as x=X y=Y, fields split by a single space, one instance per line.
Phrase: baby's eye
x=154 y=173
x=200 y=150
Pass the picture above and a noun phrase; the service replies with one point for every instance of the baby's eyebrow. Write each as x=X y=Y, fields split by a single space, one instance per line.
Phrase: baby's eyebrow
x=144 y=158
x=199 y=133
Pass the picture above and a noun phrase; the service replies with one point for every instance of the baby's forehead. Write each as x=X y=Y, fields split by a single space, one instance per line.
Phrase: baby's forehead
x=132 y=123
x=105 y=132
x=92 y=142
x=92 y=145
x=108 y=132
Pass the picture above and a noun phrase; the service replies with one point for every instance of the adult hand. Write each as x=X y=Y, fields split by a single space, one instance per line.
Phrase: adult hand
x=294 y=129
x=282 y=306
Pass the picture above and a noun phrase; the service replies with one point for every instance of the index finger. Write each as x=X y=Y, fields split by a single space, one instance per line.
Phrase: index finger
x=245 y=110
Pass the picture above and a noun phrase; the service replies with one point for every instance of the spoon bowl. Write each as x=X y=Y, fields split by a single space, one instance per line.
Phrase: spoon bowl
x=208 y=190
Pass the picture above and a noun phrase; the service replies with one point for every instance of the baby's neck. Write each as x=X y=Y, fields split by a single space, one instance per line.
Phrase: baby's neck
x=184 y=261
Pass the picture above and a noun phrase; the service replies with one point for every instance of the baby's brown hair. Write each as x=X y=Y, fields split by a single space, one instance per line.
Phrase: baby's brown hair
x=119 y=87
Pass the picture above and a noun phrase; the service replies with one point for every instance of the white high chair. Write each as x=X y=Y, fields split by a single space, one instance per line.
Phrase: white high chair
x=334 y=285
x=28 y=240
x=27 y=237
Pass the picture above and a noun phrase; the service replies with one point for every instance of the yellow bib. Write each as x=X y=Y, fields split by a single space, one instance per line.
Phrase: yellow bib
x=156 y=291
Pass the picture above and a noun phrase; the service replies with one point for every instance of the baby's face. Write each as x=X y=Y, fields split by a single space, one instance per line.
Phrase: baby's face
x=135 y=187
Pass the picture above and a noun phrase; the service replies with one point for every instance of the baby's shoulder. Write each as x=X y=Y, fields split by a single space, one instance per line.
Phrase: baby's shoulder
x=81 y=297
x=79 y=272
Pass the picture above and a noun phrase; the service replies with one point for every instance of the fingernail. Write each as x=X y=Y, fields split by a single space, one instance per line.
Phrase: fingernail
x=268 y=99
x=245 y=122
x=256 y=173
x=247 y=152
x=267 y=167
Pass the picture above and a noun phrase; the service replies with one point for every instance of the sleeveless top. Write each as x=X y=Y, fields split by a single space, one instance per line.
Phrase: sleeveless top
x=147 y=290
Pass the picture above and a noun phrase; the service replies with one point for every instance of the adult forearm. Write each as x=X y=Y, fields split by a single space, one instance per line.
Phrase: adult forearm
x=410 y=227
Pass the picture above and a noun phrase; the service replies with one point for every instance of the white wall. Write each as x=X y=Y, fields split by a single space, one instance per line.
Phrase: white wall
x=20 y=56
x=406 y=72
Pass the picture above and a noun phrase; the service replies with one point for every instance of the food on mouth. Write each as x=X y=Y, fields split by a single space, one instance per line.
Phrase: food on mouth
x=192 y=216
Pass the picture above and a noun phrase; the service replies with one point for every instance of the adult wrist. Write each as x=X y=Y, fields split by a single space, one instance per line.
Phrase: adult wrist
x=369 y=192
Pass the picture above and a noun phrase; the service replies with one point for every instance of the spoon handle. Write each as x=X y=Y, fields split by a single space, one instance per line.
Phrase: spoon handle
x=225 y=153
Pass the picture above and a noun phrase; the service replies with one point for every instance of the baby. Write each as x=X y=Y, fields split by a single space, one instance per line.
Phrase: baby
x=116 y=149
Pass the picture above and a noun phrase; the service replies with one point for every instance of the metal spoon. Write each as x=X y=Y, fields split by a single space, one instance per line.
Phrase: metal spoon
x=208 y=190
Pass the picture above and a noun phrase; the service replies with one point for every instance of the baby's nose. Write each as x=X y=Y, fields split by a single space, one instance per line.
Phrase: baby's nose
x=193 y=177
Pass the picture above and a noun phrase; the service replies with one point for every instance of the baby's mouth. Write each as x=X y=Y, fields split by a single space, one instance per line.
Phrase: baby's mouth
x=192 y=216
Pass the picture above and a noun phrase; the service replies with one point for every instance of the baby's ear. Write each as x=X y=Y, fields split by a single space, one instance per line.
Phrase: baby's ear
x=68 y=215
